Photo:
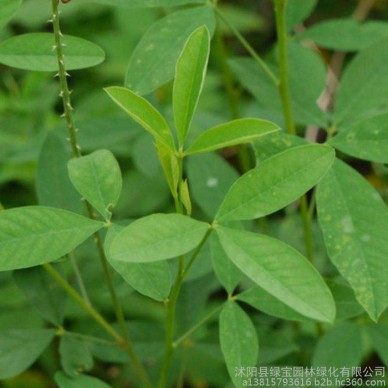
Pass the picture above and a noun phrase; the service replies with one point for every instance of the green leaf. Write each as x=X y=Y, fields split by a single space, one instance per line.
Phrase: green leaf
x=235 y=132
x=144 y=3
x=150 y=279
x=340 y=348
x=157 y=237
x=274 y=345
x=297 y=11
x=345 y=301
x=268 y=304
x=53 y=185
x=363 y=93
x=345 y=34
x=189 y=78
x=274 y=143
x=19 y=348
x=142 y=112
x=276 y=182
x=281 y=271
x=75 y=355
x=210 y=178
x=354 y=221
x=164 y=40
x=379 y=336
x=7 y=9
x=35 y=235
x=81 y=381
x=307 y=77
x=227 y=273
x=97 y=177
x=365 y=139
x=238 y=338
x=35 y=52
x=43 y=293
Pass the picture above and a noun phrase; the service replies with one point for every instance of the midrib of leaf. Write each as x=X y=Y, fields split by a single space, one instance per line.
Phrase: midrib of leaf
x=49 y=233
x=231 y=142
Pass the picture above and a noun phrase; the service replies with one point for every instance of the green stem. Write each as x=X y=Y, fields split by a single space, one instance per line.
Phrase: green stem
x=170 y=325
x=170 y=303
x=78 y=298
x=283 y=86
x=227 y=76
x=197 y=326
x=85 y=337
x=78 y=277
x=122 y=342
x=197 y=251
x=249 y=48
x=171 y=308
x=68 y=114
x=62 y=74
x=284 y=91
x=307 y=228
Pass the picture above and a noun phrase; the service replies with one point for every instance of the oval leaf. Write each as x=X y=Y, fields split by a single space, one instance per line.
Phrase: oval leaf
x=354 y=221
x=35 y=52
x=157 y=237
x=276 y=182
x=164 y=40
x=189 y=78
x=297 y=11
x=238 y=338
x=150 y=279
x=35 y=235
x=363 y=90
x=340 y=348
x=235 y=132
x=97 y=177
x=280 y=270
x=20 y=348
x=80 y=381
x=75 y=355
x=142 y=112
x=307 y=75
x=345 y=34
x=365 y=139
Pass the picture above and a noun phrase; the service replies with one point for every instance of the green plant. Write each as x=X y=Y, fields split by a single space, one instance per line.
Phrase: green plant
x=223 y=242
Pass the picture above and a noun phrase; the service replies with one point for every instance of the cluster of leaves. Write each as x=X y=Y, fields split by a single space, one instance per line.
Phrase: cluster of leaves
x=222 y=249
